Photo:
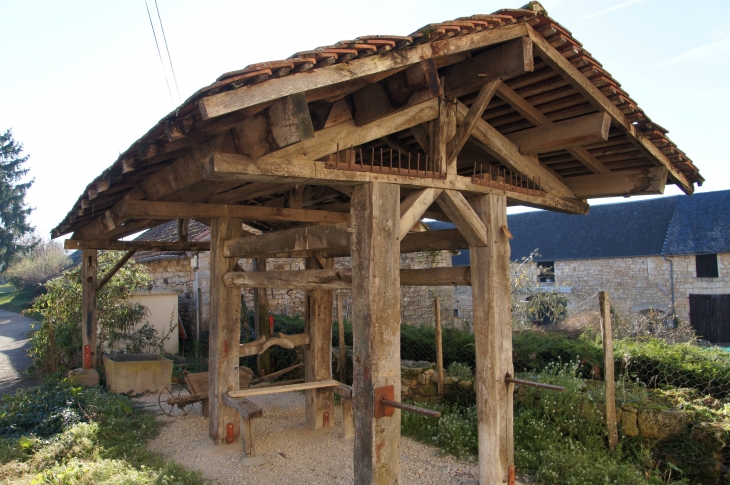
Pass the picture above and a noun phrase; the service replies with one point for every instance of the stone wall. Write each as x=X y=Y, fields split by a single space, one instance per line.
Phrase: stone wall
x=176 y=274
x=419 y=382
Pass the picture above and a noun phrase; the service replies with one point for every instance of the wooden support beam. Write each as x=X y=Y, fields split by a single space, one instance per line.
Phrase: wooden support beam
x=341 y=278
x=261 y=390
x=463 y=216
x=261 y=316
x=504 y=61
x=300 y=239
x=413 y=207
x=89 y=289
x=255 y=94
x=114 y=245
x=400 y=91
x=225 y=331
x=284 y=123
x=122 y=261
x=534 y=116
x=456 y=143
x=135 y=209
x=638 y=181
x=376 y=317
x=508 y=153
x=183 y=229
x=442 y=131
x=261 y=344
x=249 y=191
x=420 y=133
x=563 y=134
x=319 y=403
x=493 y=342
x=599 y=100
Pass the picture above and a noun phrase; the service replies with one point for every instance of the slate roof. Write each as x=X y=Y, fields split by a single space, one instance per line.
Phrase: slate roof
x=168 y=232
x=668 y=225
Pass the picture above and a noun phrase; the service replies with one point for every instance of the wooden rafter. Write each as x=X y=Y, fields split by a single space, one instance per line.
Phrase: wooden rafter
x=475 y=113
x=463 y=216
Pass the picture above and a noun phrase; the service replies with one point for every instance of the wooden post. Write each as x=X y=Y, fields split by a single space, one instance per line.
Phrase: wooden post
x=318 y=354
x=607 y=334
x=493 y=340
x=341 y=335
x=261 y=317
x=439 y=350
x=375 y=216
x=225 y=331
x=88 y=307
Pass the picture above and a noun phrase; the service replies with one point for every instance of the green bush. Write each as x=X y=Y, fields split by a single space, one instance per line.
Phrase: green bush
x=28 y=271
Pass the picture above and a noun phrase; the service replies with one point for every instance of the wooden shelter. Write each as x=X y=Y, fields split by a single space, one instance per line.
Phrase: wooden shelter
x=340 y=151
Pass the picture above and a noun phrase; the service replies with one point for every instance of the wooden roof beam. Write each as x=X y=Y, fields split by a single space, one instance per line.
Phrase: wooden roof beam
x=576 y=79
x=115 y=245
x=563 y=134
x=639 y=181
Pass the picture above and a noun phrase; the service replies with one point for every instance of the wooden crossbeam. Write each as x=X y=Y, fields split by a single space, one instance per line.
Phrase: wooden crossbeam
x=508 y=153
x=584 y=86
x=248 y=192
x=260 y=345
x=299 y=239
x=534 y=116
x=563 y=134
x=413 y=207
x=135 y=209
x=475 y=113
x=463 y=216
x=332 y=76
x=258 y=391
x=115 y=245
x=640 y=181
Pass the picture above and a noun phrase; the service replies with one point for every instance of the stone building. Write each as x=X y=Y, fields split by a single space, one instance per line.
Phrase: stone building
x=189 y=273
x=668 y=254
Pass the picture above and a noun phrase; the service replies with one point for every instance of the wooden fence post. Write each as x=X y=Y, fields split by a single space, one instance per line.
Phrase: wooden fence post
x=341 y=335
x=261 y=317
x=89 y=289
x=439 y=350
x=608 y=371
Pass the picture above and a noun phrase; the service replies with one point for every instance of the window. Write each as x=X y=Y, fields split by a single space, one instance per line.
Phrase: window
x=456 y=312
x=706 y=265
x=546 y=271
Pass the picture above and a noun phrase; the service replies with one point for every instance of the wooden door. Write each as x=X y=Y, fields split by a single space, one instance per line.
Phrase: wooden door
x=710 y=317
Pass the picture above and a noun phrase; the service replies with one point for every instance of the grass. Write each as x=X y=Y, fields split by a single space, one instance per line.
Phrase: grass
x=57 y=434
x=16 y=300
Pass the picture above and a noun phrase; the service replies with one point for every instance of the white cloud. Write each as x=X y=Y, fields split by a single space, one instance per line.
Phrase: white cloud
x=711 y=51
x=611 y=9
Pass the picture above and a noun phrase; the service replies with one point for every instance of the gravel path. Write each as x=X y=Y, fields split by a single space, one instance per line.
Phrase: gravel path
x=14 y=333
x=294 y=454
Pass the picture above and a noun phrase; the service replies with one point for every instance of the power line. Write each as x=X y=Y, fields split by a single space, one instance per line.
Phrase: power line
x=159 y=53
x=168 y=53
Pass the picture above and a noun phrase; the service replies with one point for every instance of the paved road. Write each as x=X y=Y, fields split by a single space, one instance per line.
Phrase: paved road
x=14 y=332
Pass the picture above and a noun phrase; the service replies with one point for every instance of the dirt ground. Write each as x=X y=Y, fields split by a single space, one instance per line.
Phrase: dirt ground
x=291 y=453
x=14 y=334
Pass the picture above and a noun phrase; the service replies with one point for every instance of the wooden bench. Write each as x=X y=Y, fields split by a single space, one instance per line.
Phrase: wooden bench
x=197 y=383
x=348 y=425
x=247 y=411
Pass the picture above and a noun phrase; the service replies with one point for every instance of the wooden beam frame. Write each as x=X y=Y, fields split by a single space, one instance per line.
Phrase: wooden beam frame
x=584 y=86
x=638 y=181
x=475 y=113
x=571 y=133
x=463 y=216
x=413 y=207
x=290 y=240
x=114 y=245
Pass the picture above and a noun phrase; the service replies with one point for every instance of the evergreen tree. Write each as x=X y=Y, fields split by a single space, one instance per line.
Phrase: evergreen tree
x=14 y=211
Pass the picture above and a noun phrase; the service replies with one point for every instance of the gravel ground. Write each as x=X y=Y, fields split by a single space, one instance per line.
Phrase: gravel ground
x=293 y=454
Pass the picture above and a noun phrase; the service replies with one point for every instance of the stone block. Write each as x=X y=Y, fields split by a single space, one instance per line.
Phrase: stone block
x=450 y=380
x=428 y=390
x=83 y=377
x=466 y=384
x=629 y=423
x=663 y=423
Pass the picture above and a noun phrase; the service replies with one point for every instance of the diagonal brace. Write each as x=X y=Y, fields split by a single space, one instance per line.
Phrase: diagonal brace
x=464 y=218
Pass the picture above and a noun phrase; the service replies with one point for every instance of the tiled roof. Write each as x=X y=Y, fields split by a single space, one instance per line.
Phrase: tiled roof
x=168 y=232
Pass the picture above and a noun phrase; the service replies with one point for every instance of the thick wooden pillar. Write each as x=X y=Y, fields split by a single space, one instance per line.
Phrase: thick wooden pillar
x=375 y=216
x=261 y=317
x=89 y=269
x=225 y=331
x=493 y=338
x=319 y=403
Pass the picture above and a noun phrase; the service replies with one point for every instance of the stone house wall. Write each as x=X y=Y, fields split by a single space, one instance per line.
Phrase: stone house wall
x=176 y=274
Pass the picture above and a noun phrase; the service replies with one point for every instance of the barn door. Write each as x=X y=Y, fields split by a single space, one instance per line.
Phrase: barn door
x=710 y=317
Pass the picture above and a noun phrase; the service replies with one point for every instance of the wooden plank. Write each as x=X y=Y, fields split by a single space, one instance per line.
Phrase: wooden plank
x=89 y=288
x=504 y=61
x=493 y=342
x=341 y=340
x=507 y=152
x=122 y=261
x=114 y=245
x=609 y=377
x=456 y=143
x=534 y=116
x=563 y=134
x=260 y=391
x=397 y=92
x=639 y=181
x=247 y=96
x=413 y=207
x=135 y=209
x=240 y=167
x=463 y=216
x=376 y=317
x=576 y=79
x=439 y=348
x=225 y=332
x=284 y=123
x=319 y=404
x=244 y=407
x=299 y=239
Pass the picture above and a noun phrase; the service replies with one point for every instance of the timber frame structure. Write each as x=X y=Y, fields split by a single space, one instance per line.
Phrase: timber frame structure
x=341 y=150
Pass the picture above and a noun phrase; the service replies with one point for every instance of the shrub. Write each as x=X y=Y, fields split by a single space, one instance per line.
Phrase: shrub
x=45 y=260
x=57 y=342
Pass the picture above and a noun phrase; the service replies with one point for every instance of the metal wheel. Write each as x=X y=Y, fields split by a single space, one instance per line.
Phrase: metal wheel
x=177 y=408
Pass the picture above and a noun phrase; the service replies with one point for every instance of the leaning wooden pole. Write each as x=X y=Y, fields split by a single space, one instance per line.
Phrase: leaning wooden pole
x=439 y=349
x=122 y=261
x=608 y=372
x=493 y=341
x=225 y=332
x=341 y=336
x=89 y=289
x=375 y=215
x=261 y=316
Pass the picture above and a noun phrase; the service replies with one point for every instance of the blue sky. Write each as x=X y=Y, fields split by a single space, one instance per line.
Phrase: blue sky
x=81 y=80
